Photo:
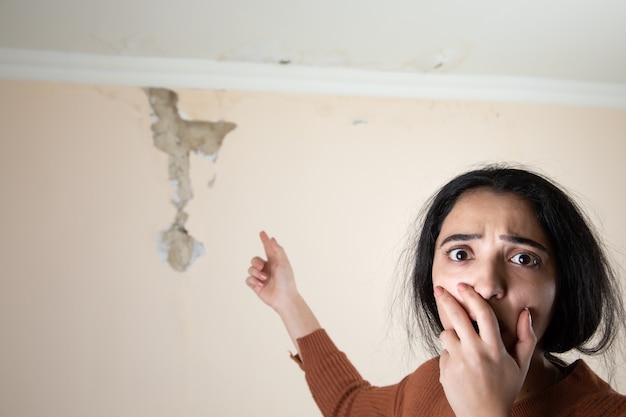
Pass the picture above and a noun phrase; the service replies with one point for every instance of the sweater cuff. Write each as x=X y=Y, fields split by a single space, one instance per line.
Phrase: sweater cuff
x=315 y=344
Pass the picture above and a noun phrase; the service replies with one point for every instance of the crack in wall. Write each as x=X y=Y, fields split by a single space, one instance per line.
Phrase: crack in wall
x=178 y=137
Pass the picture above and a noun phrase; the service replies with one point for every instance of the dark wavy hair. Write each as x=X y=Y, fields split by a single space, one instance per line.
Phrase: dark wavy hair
x=588 y=306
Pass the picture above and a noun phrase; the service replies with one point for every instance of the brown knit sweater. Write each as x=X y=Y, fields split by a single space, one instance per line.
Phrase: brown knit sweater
x=339 y=390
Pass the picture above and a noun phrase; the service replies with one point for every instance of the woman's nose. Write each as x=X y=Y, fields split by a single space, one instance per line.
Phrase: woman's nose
x=489 y=279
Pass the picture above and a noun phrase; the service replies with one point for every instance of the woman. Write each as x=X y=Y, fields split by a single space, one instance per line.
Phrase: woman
x=506 y=273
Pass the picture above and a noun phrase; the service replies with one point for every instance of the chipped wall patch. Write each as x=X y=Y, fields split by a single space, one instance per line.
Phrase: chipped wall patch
x=178 y=137
x=177 y=248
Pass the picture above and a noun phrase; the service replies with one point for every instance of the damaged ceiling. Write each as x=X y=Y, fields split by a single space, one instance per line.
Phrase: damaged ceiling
x=571 y=40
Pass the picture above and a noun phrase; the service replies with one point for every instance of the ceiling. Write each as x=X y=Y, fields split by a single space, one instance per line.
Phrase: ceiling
x=569 y=40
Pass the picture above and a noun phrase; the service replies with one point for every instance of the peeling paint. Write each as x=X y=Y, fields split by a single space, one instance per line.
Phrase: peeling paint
x=442 y=60
x=178 y=137
x=261 y=51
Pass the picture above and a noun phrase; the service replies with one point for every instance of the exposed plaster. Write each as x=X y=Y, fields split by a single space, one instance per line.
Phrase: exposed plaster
x=178 y=137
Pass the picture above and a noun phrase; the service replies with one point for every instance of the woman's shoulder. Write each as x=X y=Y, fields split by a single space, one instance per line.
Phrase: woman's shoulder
x=581 y=392
x=590 y=395
x=427 y=374
x=581 y=379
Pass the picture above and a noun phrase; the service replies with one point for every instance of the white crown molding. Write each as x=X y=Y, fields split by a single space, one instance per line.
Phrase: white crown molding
x=22 y=64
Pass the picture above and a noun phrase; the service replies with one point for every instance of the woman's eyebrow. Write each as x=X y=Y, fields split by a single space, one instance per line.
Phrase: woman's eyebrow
x=524 y=241
x=462 y=237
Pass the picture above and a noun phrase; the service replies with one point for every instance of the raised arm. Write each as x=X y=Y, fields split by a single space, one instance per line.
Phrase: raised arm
x=273 y=282
x=337 y=387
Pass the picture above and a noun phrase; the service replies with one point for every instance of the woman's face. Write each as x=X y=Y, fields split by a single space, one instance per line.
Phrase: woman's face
x=494 y=243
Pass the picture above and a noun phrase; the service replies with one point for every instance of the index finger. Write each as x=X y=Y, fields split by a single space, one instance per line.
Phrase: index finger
x=458 y=317
x=481 y=311
x=272 y=249
x=267 y=243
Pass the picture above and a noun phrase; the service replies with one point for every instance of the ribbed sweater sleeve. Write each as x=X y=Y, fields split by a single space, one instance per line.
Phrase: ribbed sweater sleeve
x=336 y=386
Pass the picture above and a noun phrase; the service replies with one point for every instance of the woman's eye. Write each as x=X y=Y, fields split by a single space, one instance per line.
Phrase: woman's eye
x=526 y=259
x=458 y=254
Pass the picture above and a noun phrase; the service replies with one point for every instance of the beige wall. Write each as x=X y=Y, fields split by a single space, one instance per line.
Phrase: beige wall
x=93 y=323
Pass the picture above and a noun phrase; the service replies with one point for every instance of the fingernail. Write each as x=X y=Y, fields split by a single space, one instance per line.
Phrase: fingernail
x=530 y=317
x=438 y=291
x=462 y=286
